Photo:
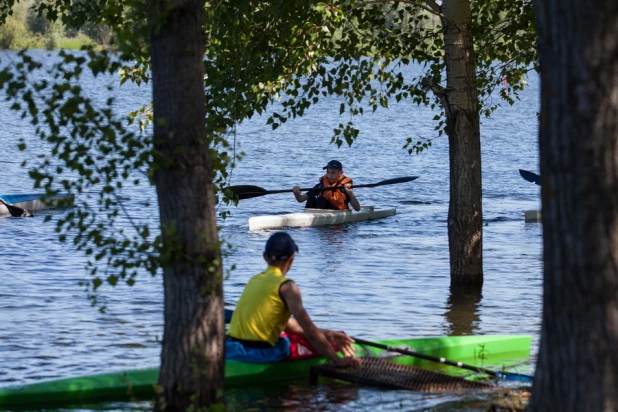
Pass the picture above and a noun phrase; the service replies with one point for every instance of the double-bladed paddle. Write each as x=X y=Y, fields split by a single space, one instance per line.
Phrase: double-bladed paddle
x=248 y=191
x=410 y=352
x=531 y=177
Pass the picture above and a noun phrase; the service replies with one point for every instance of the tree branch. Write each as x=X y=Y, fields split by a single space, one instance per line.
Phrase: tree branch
x=439 y=92
x=435 y=6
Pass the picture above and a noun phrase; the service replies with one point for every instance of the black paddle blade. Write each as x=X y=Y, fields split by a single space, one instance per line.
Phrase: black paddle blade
x=16 y=211
x=531 y=177
x=246 y=191
x=395 y=181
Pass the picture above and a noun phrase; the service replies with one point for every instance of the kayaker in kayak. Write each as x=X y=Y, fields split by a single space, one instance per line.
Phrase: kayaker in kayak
x=265 y=310
x=16 y=210
x=336 y=199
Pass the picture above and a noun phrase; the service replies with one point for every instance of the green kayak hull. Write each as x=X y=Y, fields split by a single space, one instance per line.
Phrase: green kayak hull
x=491 y=351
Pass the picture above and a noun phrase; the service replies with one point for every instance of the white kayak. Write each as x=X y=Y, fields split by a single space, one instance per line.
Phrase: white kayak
x=318 y=217
x=34 y=201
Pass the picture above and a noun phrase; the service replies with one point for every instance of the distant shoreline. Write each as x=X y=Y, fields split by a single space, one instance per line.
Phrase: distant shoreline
x=24 y=29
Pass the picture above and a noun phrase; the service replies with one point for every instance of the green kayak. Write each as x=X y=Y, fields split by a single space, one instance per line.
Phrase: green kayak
x=492 y=351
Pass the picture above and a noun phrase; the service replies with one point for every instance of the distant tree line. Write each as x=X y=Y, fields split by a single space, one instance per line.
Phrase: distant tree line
x=27 y=29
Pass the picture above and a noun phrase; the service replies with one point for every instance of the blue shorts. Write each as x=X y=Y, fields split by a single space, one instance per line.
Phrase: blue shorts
x=239 y=352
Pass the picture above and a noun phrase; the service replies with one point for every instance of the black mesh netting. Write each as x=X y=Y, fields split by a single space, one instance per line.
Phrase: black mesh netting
x=387 y=374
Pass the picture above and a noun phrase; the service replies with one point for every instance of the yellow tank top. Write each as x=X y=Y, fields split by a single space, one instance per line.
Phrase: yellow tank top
x=260 y=314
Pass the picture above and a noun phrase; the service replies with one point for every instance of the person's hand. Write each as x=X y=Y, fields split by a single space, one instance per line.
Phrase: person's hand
x=341 y=341
x=347 y=361
x=296 y=190
x=348 y=189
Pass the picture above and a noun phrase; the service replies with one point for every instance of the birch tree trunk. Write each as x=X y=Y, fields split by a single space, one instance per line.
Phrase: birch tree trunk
x=192 y=355
x=460 y=100
x=577 y=367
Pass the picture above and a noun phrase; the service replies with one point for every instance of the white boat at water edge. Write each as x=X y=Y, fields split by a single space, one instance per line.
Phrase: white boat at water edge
x=36 y=201
x=318 y=217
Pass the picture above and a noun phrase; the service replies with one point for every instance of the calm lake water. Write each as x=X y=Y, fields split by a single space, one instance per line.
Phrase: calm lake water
x=375 y=280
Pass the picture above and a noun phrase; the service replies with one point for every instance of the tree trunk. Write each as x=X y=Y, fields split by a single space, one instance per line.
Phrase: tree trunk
x=465 y=218
x=192 y=362
x=577 y=367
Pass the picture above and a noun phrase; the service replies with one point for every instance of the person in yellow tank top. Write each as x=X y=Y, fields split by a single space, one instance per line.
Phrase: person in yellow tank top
x=271 y=304
x=335 y=199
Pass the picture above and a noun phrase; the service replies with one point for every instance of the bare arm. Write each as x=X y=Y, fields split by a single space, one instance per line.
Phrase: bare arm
x=291 y=295
x=352 y=196
x=299 y=196
x=302 y=323
x=339 y=339
x=294 y=327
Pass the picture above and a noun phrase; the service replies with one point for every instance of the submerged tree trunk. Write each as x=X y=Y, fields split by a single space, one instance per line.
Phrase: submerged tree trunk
x=192 y=363
x=460 y=100
x=462 y=309
x=577 y=368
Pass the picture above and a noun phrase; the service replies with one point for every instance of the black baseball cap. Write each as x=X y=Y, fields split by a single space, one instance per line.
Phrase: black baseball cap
x=334 y=164
x=280 y=246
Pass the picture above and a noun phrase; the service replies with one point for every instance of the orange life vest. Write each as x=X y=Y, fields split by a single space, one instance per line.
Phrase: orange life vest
x=336 y=197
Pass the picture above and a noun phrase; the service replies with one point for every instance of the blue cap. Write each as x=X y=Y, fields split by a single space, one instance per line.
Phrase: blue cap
x=280 y=246
x=334 y=164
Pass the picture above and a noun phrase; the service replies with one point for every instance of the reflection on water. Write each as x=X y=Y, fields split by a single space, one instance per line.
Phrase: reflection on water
x=335 y=235
x=332 y=241
x=333 y=396
x=327 y=396
x=462 y=310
